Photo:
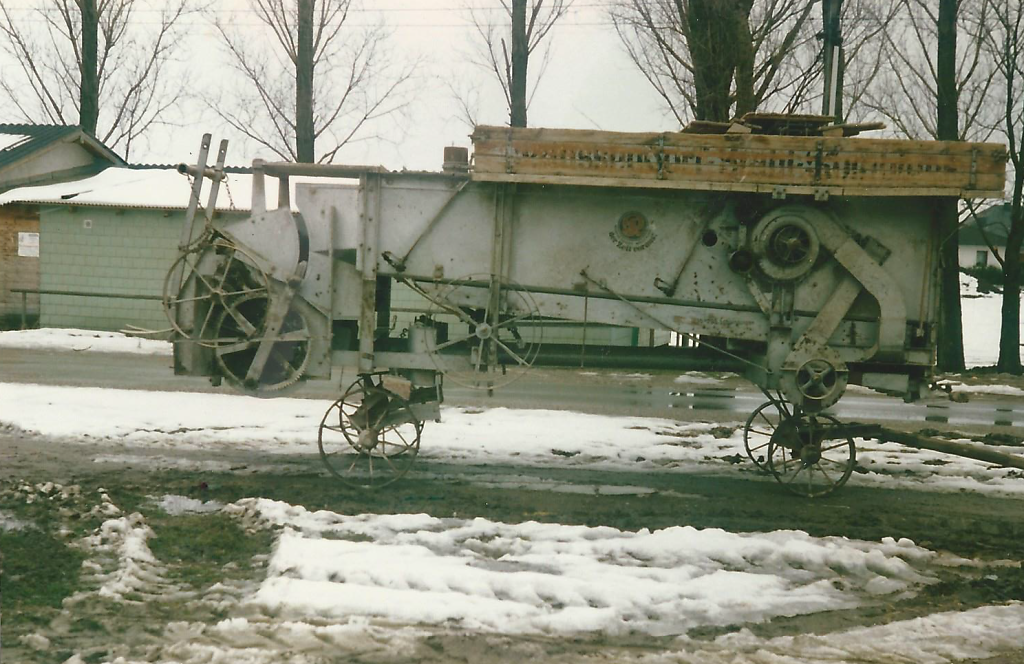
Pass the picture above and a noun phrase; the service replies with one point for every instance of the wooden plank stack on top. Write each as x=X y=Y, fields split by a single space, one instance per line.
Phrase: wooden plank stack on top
x=737 y=158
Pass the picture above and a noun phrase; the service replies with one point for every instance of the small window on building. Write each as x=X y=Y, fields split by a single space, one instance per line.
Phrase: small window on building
x=981 y=260
x=28 y=244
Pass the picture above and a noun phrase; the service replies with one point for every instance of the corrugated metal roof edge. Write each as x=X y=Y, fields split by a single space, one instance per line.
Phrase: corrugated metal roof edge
x=114 y=206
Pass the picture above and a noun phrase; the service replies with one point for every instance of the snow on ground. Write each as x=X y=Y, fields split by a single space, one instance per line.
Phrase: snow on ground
x=82 y=340
x=340 y=586
x=981 y=316
x=700 y=378
x=147 y=426
x=549 y=578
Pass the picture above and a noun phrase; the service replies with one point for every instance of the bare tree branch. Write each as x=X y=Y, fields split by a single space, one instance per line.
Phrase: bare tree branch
x=138 y=81
x=357 y=80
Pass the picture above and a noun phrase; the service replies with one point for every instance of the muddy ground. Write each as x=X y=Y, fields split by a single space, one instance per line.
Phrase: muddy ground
x=49 y=615
x=973 y=526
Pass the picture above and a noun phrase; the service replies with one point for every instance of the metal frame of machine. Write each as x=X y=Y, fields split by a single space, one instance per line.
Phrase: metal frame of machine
x=806 y=262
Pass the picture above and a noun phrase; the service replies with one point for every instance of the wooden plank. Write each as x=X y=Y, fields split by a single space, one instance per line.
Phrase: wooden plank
x=634 y=183
x=496 y=138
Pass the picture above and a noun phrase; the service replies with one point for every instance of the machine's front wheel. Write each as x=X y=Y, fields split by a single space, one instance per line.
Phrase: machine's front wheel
x=810 y=456
x=369 y=437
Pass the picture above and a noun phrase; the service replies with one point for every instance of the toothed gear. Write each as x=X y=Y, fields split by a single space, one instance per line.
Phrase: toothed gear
x=240 y=331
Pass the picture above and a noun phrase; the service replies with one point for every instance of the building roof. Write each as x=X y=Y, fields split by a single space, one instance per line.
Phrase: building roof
x=23 y=144
x=149 y=187
x=995 y=220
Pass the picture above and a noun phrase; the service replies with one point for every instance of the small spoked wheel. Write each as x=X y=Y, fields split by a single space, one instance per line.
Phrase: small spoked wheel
x=369 y=437
x=758 y=432
x=809 y=455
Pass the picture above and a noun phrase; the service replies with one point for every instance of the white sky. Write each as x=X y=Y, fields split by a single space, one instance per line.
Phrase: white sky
x=590 y=82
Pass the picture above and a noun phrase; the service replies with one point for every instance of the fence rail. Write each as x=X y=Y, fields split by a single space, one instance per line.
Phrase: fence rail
x=25 y=292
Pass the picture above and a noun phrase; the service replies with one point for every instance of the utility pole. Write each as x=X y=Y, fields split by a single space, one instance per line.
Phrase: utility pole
x=832 y=56
x=304 y=141
x=520 y=58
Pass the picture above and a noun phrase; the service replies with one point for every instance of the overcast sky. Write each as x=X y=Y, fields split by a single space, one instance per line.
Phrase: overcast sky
x=589 y=83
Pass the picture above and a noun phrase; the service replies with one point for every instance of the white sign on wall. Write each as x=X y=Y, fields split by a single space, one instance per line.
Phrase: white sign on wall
x=28 y=244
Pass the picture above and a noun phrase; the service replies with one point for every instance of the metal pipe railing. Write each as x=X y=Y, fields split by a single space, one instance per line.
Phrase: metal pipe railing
x=46 y=291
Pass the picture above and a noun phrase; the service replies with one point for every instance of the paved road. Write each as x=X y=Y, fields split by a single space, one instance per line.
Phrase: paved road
x=651 y=394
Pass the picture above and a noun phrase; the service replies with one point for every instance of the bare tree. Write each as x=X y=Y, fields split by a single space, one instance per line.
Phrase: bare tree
x=716 y=59
x=107 y=65
x=906 y=94
x=937 y=84
x=509 y=47
x=311 y=83
x=1004 y=44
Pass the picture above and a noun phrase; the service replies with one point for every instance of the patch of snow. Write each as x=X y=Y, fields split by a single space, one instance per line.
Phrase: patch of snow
x=12 y=140
x=941 y=638
x=83 y=340
x=699 y=378
x=1007 y=390
x=981 y=316
x=178 y=505
x=526 y=438
x=9 y=522
x=552 y=578
x=123 y=567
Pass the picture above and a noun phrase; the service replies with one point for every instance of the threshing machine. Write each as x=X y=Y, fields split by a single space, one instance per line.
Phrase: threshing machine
x=805 y=262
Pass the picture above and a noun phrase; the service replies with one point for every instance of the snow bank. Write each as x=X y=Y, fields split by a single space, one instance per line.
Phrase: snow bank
x=82 y=340
x=552 y=578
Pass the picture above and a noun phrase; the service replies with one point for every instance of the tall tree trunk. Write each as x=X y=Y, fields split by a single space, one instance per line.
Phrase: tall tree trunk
x=89 y=109
x=520 y=60
x=1009 y=333
x=951 y=342
x=304 y=139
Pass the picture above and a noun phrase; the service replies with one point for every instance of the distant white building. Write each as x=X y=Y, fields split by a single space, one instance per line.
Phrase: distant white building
x=993 y=223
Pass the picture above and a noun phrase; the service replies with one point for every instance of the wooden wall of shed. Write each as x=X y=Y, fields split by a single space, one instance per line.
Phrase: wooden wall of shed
x=17 y=271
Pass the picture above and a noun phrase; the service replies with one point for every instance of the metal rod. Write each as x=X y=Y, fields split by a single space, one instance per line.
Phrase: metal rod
x=583 y=273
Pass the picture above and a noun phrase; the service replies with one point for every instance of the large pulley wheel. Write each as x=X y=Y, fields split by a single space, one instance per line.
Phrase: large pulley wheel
x=814 y=379
x=369 y=437
x=809 y=455
x=494 y=332
x=203 y=281
x=250 y=355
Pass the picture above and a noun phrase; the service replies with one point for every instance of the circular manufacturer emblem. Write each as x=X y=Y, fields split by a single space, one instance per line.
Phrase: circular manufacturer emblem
x=633 y=232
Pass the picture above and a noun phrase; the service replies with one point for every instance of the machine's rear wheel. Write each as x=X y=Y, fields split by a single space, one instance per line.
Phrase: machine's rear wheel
x=369 y=437
x=210 y=276
x=810 y=456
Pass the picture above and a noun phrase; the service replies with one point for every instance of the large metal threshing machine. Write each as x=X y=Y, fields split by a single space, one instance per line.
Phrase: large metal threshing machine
x=805 y=262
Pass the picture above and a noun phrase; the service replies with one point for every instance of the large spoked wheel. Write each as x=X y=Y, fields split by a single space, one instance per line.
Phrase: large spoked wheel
x=809 y=457
x=203 y=281
x=758 y=432
x=491 y=343
x=369 y=437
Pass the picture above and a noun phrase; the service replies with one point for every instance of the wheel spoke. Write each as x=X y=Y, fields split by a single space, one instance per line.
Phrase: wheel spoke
x=844 y=443
x=765 y=418
x=451 y=342
x=827 y=476
x=243 y=323
x=514 y=319
x=797 y=473
x=508 y=350
x=236 y=347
